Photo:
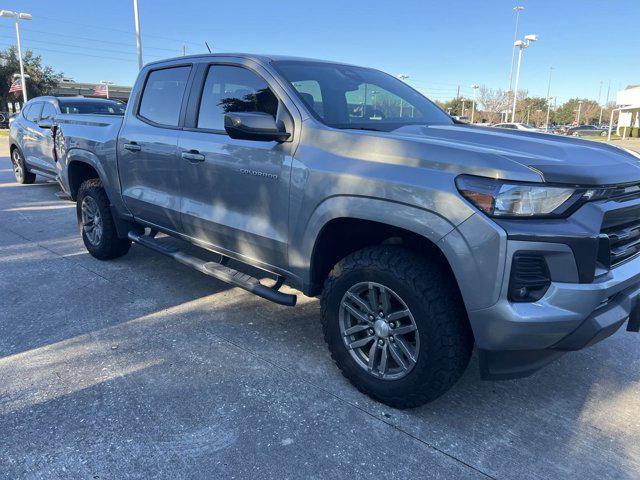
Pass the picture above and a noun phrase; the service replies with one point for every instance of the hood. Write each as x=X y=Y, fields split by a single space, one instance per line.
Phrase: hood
x=558 y=159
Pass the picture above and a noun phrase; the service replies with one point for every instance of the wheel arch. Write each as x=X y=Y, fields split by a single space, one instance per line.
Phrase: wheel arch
x=342 y=225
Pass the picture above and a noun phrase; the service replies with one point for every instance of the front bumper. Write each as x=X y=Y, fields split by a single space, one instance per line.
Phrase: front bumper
x=559 y=325
x=583 y=305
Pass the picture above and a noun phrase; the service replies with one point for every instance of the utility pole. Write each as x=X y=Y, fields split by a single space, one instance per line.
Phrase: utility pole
x=402 y=77
x=546 y=125
x=184 y=49
x=606 y=102
x=473 y=107
x=138 y=40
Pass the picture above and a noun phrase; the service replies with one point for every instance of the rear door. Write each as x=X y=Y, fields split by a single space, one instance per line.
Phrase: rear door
x=235 y=193
x=148 y=159
x=44 y=139
x=30 y=147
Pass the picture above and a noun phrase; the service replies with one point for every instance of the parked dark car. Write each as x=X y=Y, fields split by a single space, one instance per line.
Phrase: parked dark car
x=586 y=131
x=32 y=131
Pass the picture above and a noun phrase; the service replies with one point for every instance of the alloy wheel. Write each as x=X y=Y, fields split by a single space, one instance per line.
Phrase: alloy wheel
x=91 y=220
x=18 y=169
x=379 y=330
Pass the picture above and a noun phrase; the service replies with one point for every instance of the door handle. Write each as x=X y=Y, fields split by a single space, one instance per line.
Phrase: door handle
x=193 y=156
x=132 y=147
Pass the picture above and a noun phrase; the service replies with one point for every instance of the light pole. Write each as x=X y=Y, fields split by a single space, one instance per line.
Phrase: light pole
x=106 y=84
x=473 y=106
x=528 y=39
x=579 y=111
x=546 y=125
x=402 y=77
x=138 y=41
x=517 y=9
x=19 y=16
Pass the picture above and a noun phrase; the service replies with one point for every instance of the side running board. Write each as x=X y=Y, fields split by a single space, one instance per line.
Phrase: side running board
x=218 y=270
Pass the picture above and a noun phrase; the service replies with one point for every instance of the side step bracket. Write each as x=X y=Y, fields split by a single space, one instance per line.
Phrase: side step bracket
x=219 y=270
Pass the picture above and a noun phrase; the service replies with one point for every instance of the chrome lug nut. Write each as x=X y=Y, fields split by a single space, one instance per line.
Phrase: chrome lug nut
x=392 y=325
x=391 y=339
x=370 y=331
x=381 y=342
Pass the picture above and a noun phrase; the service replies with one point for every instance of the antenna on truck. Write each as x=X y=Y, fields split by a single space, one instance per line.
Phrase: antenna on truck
x=207 y=47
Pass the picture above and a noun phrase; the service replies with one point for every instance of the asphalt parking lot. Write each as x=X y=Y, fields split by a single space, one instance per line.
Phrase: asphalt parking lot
x=142 y=368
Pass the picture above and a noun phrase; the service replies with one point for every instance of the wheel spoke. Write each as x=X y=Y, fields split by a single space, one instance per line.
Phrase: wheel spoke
x=362 y=342
x=402 y=345
x=392 y=317
x=403 y=330
x=359 y=302
x=361 y=317
x=355 y=329
x=373 y=297
x=385 y=301
x=397 y=356
x=372 y=356
x=382 y=368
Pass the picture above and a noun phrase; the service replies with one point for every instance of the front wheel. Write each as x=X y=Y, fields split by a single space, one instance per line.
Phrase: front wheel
x=23 y=176
x=96 y=222
x=395 y=325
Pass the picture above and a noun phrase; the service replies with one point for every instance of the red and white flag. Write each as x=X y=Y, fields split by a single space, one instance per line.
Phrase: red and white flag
x=100 y=90
x=16 y=86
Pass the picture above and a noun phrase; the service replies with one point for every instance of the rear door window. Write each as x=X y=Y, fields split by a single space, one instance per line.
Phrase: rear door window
x=33 y=114
x=48 y=111
x=162 y=95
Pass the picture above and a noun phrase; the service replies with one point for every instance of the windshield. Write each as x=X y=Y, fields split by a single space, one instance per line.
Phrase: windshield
x=343 y=96
x=109 y=107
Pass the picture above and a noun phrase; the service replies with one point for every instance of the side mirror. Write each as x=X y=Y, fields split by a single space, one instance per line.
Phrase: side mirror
x=45 y=123
x=253 y=126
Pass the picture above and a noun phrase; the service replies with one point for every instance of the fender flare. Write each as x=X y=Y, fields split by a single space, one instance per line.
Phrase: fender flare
x=78 y=155
x=425 y=223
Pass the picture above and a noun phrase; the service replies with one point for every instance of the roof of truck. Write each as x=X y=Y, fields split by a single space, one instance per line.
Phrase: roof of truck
x=261 y=58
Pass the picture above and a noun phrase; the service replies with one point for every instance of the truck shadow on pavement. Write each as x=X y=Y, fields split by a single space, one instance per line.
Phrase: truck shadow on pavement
x=143 y=365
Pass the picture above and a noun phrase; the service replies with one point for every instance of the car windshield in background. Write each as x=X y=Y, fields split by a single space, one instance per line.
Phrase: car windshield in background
x=343 y=96
x=102 y=107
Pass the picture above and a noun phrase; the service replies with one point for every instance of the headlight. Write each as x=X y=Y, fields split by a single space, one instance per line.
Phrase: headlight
x=499 y=198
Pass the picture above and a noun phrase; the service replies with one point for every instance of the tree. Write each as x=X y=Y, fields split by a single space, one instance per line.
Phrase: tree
x=492 y=103
x=42 y=78
x=454 y=106
x=568 y=111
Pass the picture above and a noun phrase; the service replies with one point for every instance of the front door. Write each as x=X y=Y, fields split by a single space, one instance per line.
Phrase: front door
x=235 y=193
x=148 y=159
x=45 y=139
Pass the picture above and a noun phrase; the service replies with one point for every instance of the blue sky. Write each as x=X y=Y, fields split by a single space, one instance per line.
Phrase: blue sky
x=439 y=44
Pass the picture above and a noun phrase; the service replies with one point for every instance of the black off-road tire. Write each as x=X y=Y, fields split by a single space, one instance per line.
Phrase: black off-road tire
x=429 y=291
x=22 y=175
x=110 y=245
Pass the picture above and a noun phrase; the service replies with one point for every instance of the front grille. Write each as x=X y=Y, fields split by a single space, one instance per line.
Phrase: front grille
x=620 y=235
x=624 y=242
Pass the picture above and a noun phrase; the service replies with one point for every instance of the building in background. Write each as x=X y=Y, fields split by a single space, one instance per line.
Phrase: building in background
x=628 y=108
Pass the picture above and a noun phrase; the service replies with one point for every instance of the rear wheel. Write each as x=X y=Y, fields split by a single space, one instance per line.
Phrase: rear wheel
x=395 y=325
x=96 y=222
x=23 y=176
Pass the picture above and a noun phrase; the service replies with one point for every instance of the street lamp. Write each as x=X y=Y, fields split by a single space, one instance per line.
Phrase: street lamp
x=138 y=40
x=18 y=16
x=517 y=9
x=402 y=77
x=528 y=39
x=106 y=84
x=473 y=107
x=579 y=111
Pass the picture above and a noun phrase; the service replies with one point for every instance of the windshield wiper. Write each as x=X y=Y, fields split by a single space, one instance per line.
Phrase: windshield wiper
x=371 y=129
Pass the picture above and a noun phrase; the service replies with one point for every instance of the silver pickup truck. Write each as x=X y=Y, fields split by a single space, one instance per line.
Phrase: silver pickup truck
x=422 y=236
